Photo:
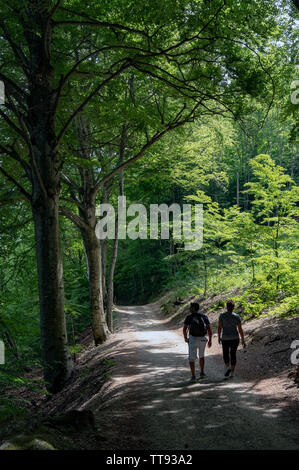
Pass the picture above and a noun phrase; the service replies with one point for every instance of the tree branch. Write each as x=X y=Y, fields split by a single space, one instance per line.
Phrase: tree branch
x=13 y=154
x=12 y=124
x=19 y=187
x=64 y=78
x=69 y=182
x=73 y=217
x=10 y=82
x=171 y=126
x=89 y=97
x=7 y=201
x=55 y=8
x=91 y=22
x=16 y=49
x=73 y=201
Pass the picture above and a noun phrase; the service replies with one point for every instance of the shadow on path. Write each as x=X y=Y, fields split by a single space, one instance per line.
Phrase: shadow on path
x=151 y=405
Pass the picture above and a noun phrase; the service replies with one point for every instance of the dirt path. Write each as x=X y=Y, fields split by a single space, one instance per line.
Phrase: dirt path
x=150 y=404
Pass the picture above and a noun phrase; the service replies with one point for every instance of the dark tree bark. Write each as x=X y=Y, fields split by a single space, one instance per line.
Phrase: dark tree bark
x=104 y=248
x=45 y=179
x=55 y=355
x=94 y=248
x=93 y=252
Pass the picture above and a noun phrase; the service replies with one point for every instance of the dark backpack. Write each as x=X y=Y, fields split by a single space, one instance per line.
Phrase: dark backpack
x=197 y=325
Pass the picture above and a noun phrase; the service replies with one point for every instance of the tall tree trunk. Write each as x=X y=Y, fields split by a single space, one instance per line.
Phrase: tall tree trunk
x=104 y=248
x=86 y=224
x=205 y=277
x=276 y=251
x=45 y=164
x=93 y=253
x=110 y=291
x=92 y=245
x=56 y=358
x=238 y=189
x=253 y=270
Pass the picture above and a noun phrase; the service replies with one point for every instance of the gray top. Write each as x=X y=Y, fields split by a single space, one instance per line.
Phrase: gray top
x=230 y=322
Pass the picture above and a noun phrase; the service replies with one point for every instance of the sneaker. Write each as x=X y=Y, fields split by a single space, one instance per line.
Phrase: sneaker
x=202 y=375
x=228 y=371
x=193 y=380
x=231 y=375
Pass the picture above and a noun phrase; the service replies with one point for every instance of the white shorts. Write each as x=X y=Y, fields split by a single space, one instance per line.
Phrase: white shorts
x=196 y=343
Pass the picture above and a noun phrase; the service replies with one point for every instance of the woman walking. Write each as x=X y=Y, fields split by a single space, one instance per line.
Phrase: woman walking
x=229 y=325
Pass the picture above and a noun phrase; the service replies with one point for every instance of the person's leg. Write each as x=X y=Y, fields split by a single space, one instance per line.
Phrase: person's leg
x=233 y=354
x=225 y=352
x=192 y=368
x=192 y=355
x=202 y=364
x=201 y=354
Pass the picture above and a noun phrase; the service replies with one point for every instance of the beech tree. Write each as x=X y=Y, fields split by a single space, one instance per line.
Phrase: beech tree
x=275 y=196
x=129 y=139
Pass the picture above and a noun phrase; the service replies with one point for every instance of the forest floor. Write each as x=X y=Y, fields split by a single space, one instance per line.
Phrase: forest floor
x=137 y=386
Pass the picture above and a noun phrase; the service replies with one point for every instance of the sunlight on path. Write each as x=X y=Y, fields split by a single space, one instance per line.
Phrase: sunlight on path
x=151 y=392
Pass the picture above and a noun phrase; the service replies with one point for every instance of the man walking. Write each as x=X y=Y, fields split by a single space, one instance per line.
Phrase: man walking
x=198 y=326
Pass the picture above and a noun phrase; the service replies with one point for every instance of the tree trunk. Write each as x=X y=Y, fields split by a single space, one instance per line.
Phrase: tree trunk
x=238 y=189
x=110 y=290
x=93 y=253
x=205 y=277
x=110 y=287
x=253 y=270
x=276 y=251
x=56 y=358
x=45 y=178
x=104 y=247
x=93 y=247
x=140 y=251
x=104 y=264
